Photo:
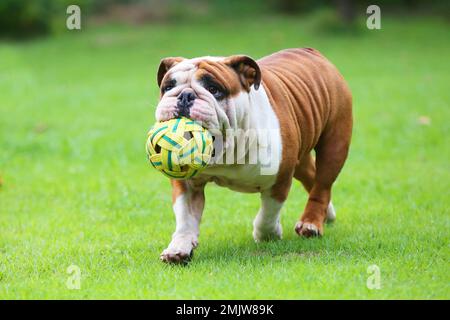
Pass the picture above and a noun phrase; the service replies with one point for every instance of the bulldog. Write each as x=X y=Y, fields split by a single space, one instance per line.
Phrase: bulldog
x=296 y=95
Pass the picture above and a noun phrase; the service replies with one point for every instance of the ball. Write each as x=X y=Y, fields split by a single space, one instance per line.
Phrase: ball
x=179 y=148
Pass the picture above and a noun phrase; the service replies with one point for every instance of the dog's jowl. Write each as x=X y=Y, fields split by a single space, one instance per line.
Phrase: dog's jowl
x=297 y=96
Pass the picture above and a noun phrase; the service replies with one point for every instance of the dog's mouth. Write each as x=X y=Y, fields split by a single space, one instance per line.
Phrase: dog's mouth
x=213 y=154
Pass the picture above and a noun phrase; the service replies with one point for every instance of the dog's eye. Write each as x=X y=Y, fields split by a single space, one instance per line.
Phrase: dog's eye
x=213 y=90
x=216 y=92
x=167 y=88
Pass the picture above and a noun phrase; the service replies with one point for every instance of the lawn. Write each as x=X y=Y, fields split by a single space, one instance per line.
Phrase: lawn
x=77 y=188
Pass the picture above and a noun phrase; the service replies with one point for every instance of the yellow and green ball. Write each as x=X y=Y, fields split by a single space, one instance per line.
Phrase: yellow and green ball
x=179 y=148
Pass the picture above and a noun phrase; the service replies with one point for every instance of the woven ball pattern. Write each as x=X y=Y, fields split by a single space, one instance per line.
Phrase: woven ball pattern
x=180 y=148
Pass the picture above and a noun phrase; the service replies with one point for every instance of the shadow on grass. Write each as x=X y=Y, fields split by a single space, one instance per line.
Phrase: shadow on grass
x=244 y=250
x=335 y=245
x=341 y=243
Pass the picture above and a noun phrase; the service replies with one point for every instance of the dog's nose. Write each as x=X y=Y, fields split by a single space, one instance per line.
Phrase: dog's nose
x=185 y=100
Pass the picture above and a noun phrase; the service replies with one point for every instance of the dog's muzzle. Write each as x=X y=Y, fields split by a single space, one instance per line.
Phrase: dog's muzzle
x=185 y=100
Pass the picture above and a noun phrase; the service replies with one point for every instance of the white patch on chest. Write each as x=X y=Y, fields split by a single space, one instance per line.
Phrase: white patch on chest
x=253 y=112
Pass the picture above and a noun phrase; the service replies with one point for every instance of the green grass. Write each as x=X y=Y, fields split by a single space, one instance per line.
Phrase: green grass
x=77 y=189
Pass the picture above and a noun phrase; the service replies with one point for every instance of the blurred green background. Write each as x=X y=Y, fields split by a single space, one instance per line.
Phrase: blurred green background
x=76 y=189
x=25 y=18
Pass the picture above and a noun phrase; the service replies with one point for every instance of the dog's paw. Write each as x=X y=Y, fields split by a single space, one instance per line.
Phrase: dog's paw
x=171 y=256
x=180 y=250
x=267 y=234
x=308 y=229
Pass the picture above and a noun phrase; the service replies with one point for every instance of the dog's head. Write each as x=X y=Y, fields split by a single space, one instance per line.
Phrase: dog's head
x=210 y=90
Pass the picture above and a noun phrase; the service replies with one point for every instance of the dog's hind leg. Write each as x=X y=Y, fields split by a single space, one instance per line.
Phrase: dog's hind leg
x=331 y=153
x=305 y=172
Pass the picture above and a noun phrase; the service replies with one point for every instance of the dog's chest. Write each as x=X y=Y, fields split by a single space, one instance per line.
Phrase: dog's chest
x=239 y=177
x=266 y=148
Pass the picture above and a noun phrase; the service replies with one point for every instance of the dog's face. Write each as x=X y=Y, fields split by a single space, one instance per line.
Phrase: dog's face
x=210 y=90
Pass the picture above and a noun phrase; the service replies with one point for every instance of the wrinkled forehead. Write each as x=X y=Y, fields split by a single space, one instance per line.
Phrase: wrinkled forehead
x=188 y=68
x=197 y=69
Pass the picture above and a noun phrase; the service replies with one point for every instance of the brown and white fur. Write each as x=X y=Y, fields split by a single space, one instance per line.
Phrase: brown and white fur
x=299 y=96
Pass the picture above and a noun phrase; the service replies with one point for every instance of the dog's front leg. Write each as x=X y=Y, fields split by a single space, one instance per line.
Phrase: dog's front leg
x=188 y=203
x=266 y=225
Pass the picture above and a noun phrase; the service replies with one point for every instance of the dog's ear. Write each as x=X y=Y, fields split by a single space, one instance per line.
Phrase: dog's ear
x=247 y=70
x=165 y=65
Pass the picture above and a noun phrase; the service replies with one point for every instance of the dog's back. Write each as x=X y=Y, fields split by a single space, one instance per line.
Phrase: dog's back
x=305 y=86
